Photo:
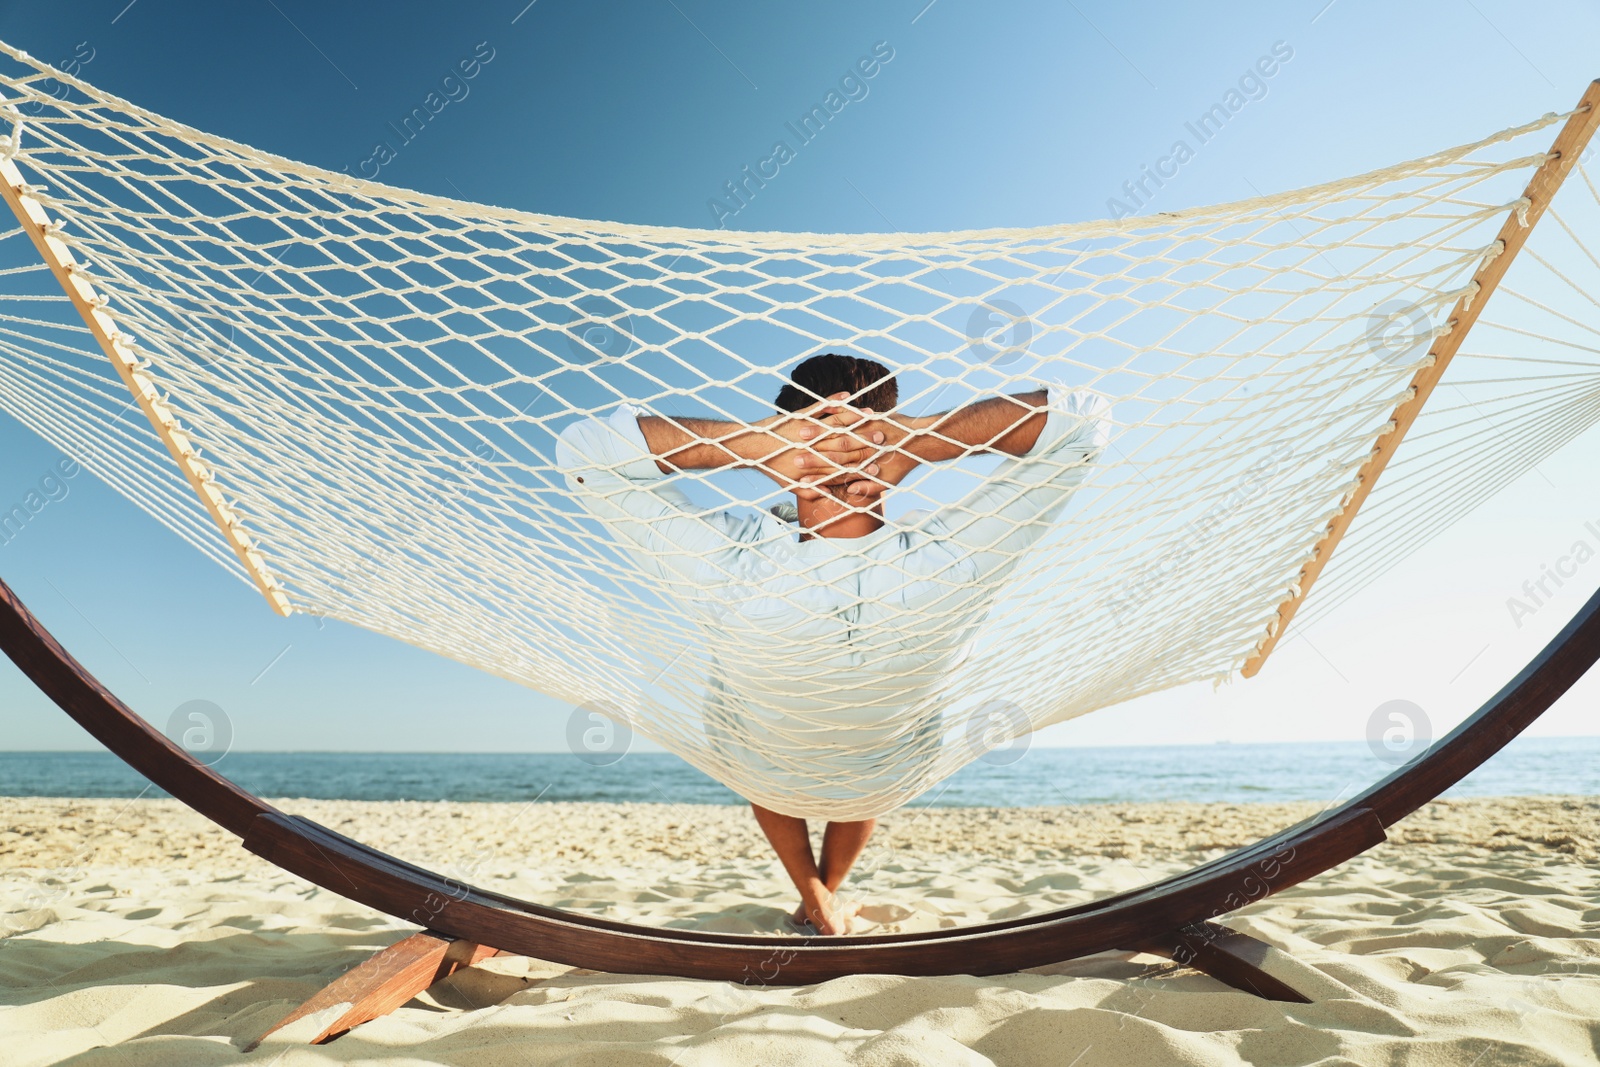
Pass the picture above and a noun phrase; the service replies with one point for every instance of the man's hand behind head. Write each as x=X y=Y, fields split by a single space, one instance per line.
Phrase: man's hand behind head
x=814 y=452
x=865 y=446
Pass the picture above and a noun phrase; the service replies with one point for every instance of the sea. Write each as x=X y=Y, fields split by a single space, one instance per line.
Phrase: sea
x=1232 y=773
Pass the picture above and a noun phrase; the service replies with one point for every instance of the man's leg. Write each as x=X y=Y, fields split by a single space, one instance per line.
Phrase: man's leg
x=842 y=845
x=792 y=842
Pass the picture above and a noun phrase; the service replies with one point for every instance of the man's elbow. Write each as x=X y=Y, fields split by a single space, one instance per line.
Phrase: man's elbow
x=1093 y=412
x=576 y=449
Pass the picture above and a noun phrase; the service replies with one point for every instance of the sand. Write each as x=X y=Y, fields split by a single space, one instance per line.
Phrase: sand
x=137 y=933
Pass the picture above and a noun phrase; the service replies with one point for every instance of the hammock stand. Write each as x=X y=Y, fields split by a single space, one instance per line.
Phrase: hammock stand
x=463 y=925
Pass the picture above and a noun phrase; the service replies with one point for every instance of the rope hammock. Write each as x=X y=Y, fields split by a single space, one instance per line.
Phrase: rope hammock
x=383 y=400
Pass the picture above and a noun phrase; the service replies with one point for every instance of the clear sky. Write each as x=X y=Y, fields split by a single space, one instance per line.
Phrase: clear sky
x=639 y=110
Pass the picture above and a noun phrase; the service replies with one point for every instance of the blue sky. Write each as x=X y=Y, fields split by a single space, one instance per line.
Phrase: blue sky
x=641 y=111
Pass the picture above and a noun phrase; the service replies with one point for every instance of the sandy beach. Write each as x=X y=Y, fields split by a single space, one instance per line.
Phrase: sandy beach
x=137 y=933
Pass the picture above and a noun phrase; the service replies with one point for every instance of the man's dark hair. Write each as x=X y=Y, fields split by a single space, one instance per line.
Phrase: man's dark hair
x=868 y=382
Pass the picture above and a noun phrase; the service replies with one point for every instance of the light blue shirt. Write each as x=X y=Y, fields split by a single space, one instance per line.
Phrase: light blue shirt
x=828 y=652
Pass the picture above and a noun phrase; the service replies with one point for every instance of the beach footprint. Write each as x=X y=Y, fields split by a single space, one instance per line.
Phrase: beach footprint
x=883 y=914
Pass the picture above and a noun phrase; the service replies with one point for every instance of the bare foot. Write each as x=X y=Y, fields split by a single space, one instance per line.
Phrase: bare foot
x=828 y=912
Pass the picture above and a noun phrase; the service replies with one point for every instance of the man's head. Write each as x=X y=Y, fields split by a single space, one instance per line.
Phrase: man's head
x=868 y=383
x=865 y=384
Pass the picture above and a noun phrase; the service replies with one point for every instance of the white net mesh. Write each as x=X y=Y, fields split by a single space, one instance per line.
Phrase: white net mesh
x=378 y=380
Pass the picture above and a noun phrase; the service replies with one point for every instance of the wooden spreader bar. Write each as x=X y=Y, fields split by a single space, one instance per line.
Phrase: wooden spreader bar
x=103 y=328
x=1514 y=232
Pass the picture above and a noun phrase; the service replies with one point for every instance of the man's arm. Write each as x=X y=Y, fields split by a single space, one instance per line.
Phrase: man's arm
x=611 y=471
x=617 y=467
x=1000 y=424
x=800 y=451
x=1005 y=425
x=974 y=542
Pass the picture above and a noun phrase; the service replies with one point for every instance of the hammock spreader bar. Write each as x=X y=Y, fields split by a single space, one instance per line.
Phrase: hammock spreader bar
x=1514 y=233
x=103 y=327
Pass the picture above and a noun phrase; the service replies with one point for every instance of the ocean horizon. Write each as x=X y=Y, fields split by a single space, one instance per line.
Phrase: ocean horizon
x=1325 y=771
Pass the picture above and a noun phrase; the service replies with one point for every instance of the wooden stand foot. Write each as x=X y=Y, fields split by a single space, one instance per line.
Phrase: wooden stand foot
x=1225 y=955
x=384 y=981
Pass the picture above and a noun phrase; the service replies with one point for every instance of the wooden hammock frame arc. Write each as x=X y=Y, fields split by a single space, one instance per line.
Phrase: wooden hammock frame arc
x=1171 y=917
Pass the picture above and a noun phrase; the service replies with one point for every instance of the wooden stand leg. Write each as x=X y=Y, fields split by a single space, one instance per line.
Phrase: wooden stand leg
x=384 y=981
x=1225 y=955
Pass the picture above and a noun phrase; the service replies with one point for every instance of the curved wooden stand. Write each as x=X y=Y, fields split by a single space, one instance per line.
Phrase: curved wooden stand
x=1170 y=917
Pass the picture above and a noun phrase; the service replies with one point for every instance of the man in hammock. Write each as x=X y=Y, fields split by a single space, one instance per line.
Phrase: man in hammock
x=831 y=640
